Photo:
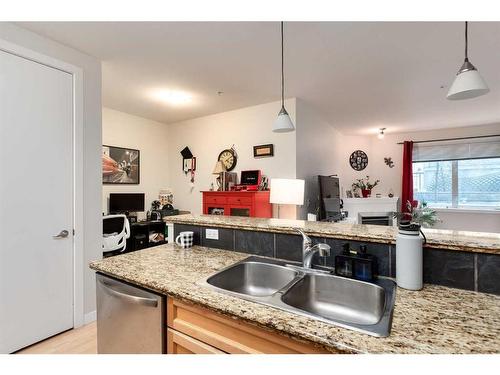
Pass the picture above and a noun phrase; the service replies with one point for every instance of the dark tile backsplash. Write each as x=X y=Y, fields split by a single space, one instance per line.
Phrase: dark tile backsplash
x=289 y=247
x=488 y=273
x=225 y=241
x=256 y=243
x=442 y=267
x=449 y=268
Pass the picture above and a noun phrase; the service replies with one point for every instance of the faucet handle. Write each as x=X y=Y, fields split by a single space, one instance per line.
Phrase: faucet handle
x=307 y=240
x=323 y=249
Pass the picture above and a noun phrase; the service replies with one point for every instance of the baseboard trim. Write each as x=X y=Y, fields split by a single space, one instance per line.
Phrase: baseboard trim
x=90 y=317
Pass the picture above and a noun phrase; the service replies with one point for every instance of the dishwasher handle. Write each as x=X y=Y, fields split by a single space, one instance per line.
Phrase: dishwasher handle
x=108 y=287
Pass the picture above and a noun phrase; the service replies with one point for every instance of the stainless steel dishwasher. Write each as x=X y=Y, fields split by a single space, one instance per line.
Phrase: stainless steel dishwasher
x=129 y=319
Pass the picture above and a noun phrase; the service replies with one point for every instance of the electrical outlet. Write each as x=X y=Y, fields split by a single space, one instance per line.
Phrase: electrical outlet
x=212 y=234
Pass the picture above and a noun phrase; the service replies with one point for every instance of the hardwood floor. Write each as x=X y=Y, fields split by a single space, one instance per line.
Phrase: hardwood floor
x=82 y=340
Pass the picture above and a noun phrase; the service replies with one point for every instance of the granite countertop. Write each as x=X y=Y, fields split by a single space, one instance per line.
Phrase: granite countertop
x=478 y=242
x=434 y=320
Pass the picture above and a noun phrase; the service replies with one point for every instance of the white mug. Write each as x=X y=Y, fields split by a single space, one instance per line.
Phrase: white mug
x=185 y=239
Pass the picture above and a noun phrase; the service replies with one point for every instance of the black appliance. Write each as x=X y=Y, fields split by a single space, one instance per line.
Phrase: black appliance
x=140 y=241
x=126 y=202
x=330 y=203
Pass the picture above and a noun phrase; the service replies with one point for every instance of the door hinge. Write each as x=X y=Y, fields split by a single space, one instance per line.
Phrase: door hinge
x=73 y=232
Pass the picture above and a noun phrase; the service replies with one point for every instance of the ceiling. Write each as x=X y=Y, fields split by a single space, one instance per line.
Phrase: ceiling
x=360 y=75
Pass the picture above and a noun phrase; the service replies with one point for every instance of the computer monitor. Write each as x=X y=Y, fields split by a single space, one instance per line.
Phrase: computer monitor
x=126 y=202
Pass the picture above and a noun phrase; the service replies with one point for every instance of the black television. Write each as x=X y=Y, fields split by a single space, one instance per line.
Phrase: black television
x=126 y=202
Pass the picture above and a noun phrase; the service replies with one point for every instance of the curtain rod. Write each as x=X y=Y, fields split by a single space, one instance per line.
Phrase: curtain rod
x=454 y=139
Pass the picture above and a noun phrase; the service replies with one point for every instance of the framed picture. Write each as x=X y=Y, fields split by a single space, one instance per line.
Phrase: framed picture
x=120 y=165
x=263 y=151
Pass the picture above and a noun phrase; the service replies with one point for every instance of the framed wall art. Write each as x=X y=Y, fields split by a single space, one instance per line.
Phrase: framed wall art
x=263 y=151
x=120 y=165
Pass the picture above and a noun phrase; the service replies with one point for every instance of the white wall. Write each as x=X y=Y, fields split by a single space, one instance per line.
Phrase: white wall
x=317 y=153
x=151 y=139
x=208 y=136
x=92 y=140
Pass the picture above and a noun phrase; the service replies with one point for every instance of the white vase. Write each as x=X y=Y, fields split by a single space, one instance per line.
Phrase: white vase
x=409 y=260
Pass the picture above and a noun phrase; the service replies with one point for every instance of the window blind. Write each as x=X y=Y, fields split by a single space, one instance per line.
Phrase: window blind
x=457 y=150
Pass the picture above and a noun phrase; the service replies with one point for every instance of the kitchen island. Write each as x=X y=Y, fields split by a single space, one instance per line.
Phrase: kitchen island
x=435 y=320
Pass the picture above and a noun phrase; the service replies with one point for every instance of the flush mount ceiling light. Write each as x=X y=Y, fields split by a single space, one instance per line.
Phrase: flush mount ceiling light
x=468 y=82
x=381 y=134
x=283 y=123
x=172 y=97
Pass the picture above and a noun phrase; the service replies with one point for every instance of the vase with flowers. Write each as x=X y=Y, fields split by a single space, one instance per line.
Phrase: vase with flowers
x=365 y=186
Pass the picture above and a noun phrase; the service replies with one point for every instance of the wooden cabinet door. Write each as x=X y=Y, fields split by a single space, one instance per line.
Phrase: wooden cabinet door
x=179 y=343
x=231 y=336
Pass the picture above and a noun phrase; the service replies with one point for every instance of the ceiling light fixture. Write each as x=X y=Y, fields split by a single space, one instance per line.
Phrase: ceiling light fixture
x=468 y=82
x=381 y=134
x=173 y=97
x=283 y=123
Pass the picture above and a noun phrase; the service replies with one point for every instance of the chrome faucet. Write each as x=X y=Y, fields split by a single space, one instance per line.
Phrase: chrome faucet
x=308 y=250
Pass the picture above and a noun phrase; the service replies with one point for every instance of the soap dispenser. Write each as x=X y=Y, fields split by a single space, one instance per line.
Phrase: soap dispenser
x=344 y=262
x=365 y=266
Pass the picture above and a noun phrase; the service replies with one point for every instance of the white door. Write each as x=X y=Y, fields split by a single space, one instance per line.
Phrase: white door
x=36 y=202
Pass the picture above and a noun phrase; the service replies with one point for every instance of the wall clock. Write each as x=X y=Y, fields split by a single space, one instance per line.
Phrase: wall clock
x=358 y=160
x=228 y=157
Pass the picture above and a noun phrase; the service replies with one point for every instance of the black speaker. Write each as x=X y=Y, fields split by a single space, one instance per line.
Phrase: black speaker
x=140 y=241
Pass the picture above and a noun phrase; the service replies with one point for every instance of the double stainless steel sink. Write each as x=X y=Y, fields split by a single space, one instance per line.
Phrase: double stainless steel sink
x=315 y=293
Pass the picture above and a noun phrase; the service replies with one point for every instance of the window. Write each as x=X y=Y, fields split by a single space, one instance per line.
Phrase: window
x=458 y=183
x=434 y=183
x=458 y=175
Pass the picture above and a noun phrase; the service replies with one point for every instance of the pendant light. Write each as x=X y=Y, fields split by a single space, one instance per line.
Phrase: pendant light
x=283 y=123
x=468 y=82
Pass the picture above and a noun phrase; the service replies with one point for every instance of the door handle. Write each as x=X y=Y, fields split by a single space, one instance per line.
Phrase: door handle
x=62 y=234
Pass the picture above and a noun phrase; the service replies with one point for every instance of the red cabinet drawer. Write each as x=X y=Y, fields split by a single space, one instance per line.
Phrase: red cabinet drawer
x=214 y=199
x=239 y=200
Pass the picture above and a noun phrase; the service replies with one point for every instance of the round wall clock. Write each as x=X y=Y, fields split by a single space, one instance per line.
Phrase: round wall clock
x=358 y=160
x=228 y=158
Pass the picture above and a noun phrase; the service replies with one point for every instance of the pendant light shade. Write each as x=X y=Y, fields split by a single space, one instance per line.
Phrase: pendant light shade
x=468 y=83
x=283 y=123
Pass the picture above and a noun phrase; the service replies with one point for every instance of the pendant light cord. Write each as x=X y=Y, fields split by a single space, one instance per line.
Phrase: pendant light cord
x=282 y=70
x=466 y=39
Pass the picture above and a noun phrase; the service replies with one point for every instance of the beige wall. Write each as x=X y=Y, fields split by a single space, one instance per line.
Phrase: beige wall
x=151 y=139
x=208 y=136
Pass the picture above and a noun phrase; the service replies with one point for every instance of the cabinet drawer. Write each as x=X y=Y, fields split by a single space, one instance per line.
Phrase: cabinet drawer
x=230 y=335
x=239 y=200
x=214 y=199
x=179 y=343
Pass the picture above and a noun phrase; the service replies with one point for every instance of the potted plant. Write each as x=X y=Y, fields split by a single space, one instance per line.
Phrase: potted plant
x=416 y=217
x=365 y=186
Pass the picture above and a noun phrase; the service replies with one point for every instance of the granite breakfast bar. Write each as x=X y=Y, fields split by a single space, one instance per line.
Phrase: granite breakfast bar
x=458 y=259
x=435 y=320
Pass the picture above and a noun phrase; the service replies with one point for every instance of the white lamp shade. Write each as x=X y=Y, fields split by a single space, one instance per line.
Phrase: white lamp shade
x=287 y=191
x=468 y=84
x=283 y=123
x=219 y=168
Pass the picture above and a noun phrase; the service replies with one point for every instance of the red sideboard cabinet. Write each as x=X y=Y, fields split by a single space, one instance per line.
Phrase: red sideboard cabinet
x=237 y=203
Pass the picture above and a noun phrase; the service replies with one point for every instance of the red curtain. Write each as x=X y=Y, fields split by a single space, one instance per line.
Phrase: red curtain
x=407 y=186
